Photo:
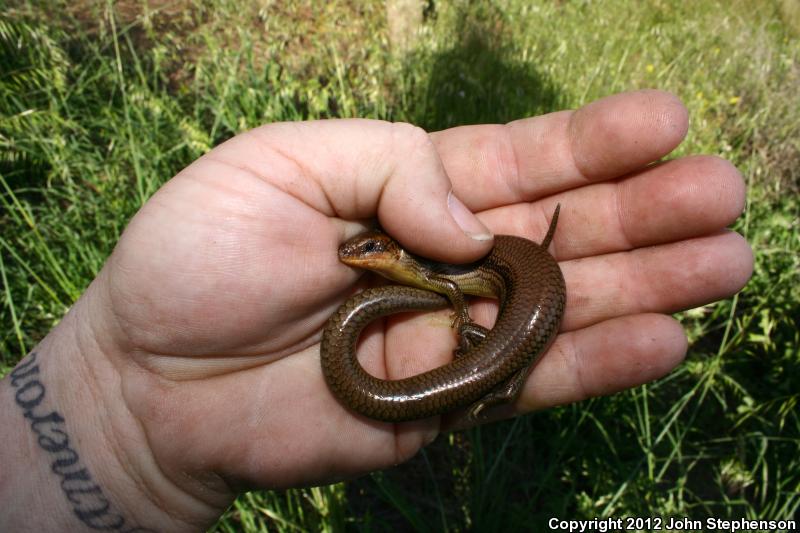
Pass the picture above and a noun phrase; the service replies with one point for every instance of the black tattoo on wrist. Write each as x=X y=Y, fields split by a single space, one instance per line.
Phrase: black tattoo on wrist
x=83 y=494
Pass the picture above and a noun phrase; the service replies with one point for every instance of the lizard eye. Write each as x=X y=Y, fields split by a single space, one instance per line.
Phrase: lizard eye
x=370 y=247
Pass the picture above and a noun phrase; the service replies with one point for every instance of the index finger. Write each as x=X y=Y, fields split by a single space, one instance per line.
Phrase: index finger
x=494 y=165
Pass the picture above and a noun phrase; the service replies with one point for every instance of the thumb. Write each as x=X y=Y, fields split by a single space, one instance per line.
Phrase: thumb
x=367 y=168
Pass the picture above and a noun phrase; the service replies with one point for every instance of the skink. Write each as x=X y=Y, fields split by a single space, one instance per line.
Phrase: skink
x=490 y=366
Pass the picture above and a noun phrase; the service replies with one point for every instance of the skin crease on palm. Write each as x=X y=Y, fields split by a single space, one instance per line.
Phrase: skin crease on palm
x=198 y=343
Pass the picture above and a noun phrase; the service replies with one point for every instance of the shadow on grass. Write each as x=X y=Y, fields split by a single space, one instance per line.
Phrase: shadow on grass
x=474 y=81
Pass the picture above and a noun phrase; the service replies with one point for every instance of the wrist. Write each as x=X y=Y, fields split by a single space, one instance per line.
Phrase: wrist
x=81 y=459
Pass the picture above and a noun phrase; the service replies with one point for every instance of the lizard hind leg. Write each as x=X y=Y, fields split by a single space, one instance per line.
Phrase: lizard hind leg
x=505 y=393
x=470 y=335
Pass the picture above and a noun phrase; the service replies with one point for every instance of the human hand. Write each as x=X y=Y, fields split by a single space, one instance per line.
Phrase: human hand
x=207 y=317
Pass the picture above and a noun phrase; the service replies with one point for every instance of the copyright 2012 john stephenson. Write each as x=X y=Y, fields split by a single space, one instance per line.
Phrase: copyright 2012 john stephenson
x=669 y=524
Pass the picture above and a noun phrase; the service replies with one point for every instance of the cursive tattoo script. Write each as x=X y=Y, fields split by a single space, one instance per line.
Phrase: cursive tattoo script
x=83 y=494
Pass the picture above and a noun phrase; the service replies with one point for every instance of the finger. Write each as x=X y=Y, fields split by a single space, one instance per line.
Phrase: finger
x=662 y=279
x=659 y=279
x=679 y=199
x=605 y=358
x=356 y=169
x=494 y=165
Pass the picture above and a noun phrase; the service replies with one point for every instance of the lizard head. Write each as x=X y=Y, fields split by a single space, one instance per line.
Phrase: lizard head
x=379 y=253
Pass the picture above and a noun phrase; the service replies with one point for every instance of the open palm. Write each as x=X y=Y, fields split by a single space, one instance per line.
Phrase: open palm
x=219 y=288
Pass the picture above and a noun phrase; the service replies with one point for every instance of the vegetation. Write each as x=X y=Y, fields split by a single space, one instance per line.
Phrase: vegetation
x=102 y=105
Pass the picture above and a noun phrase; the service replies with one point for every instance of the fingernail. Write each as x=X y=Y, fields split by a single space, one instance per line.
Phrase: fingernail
x=468 y=222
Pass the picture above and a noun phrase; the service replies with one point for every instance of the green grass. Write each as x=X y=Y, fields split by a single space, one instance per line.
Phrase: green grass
x=100 y=108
